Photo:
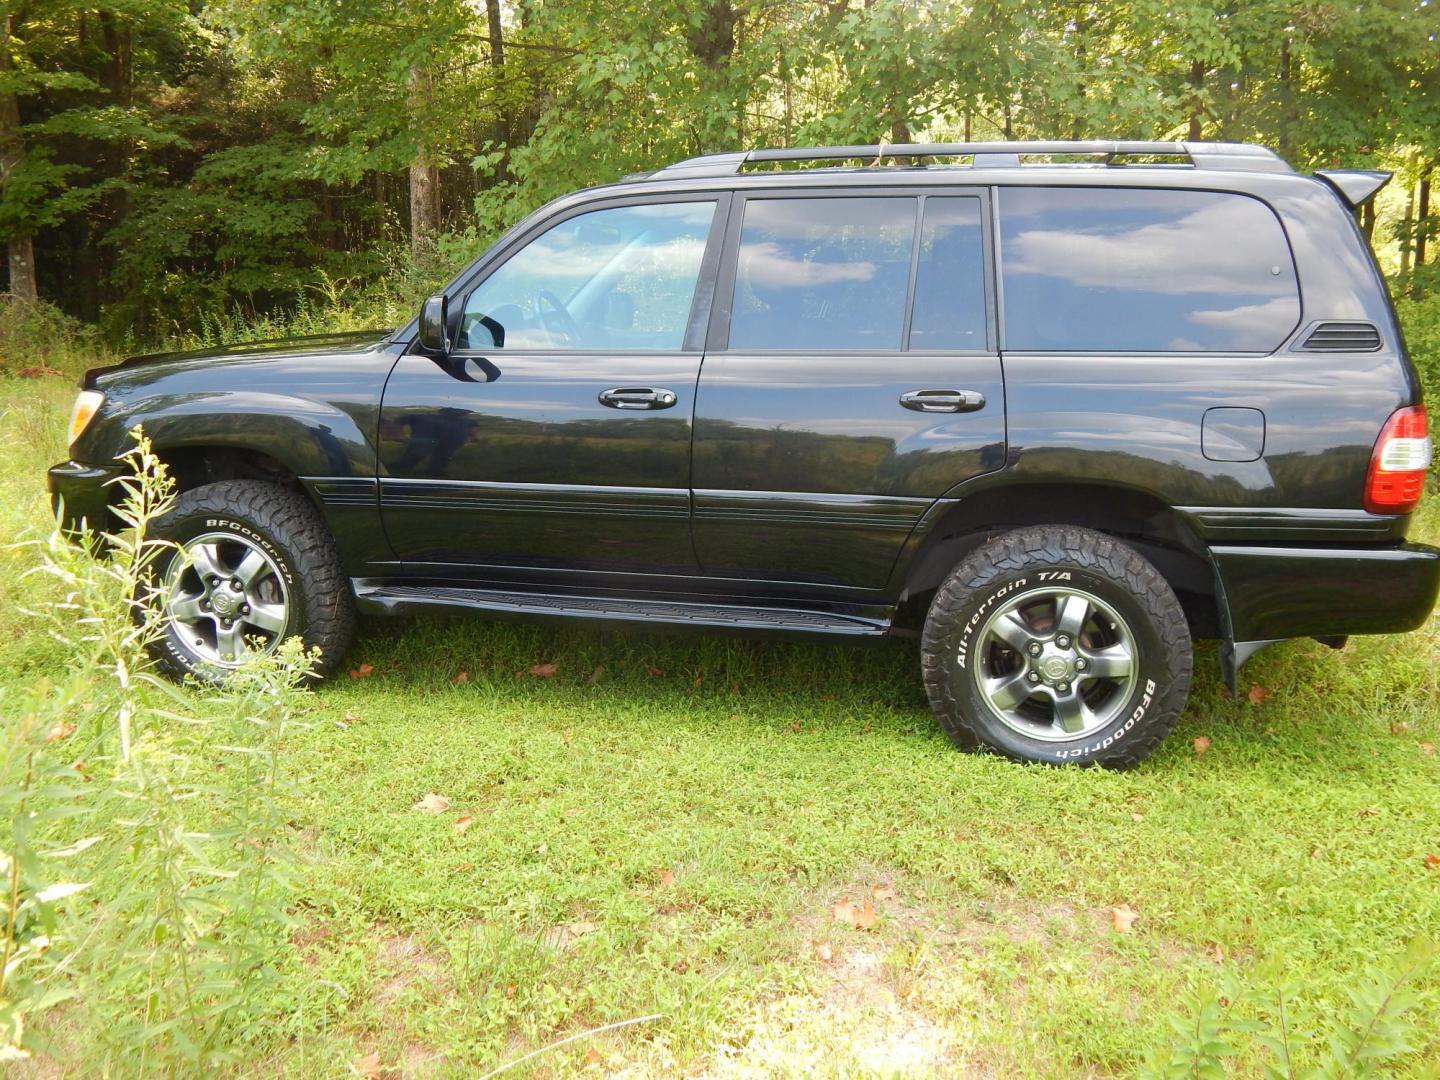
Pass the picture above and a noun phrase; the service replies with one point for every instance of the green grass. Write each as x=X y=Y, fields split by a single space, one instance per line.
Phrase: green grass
x=665 y=825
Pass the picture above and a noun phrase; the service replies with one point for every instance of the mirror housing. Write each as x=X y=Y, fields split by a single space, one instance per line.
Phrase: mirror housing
x=434 y=338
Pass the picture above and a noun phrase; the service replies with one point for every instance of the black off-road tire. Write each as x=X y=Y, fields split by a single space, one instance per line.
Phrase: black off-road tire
x=291 y=532
x=1110 y=571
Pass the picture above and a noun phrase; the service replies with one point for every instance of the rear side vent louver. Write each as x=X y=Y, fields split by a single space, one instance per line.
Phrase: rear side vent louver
x=1342 y=337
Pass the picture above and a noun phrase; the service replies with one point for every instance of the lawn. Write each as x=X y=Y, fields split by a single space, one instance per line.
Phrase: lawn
x=660 y=829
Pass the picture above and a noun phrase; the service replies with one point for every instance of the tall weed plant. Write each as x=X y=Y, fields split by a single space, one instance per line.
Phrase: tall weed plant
x=147 y=853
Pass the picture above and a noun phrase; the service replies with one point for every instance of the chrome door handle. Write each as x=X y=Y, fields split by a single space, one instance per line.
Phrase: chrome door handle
x=637 y=397
x=943 y=400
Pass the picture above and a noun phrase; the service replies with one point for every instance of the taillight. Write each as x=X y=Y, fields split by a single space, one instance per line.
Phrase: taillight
x=1399 y=463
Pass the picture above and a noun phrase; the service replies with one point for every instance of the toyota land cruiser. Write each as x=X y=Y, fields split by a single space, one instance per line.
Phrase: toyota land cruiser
x=1057 y=409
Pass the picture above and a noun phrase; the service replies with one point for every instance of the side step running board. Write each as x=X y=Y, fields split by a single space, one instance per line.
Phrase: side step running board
x=414 y=599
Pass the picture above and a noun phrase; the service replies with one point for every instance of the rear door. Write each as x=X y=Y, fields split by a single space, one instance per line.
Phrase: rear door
x=851 y=378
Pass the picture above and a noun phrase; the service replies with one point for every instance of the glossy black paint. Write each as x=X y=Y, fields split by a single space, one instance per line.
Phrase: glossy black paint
x=784 y=480
x=1280 y=592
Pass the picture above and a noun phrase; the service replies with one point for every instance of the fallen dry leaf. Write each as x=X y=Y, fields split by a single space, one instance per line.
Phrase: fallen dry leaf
x=542 y=849
x=1427 y=748
x=362 y=672
x=883 y=892
x=592 y=1056
x=666 y=879
x=462 y=823
x=920 y=894
x=367 y=1067
x=1368 y=811
x=1202 y=744
x=1432 y=861
x=38 y=372
x=1257 y=694
x=1218 y=953
x=462 y=868
x=597 y=674
x=432 y=803
x=1399 y=727
x=461 y=677
x=1137 y=817
x=63 y=729
x=824 y=952
x=543 y=671
x=860 y=916
x=653 y=671
x=1123 y=918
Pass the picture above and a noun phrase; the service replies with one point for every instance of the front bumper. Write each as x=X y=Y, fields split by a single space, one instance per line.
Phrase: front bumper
x=80 y=495
x=1325 y=592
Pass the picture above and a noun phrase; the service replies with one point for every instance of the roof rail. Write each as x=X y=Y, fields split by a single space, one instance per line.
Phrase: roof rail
x=1241 y=157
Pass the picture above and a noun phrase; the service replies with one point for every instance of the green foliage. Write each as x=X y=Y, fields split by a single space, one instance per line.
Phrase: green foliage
x=147 y=858
x=188 y=162
x=1366 y=1038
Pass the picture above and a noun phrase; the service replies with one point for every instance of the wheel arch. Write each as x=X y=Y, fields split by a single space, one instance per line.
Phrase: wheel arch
x=1158 y=531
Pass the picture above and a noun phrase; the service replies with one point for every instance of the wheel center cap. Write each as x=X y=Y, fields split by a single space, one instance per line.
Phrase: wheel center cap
x=223 y=603
x=1055 y=667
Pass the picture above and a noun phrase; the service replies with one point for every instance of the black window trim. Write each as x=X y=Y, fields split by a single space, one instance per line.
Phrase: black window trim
x=999 y=269
x=718 y=340
x=694 y=339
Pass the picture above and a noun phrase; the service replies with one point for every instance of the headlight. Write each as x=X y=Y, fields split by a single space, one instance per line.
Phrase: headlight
x=87 y=404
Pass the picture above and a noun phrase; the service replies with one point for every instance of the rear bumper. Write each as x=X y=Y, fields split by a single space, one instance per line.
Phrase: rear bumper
x=1288 y=592
x=80 y=495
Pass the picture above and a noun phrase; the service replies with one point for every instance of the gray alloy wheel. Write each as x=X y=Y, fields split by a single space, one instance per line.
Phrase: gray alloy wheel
x=1055 y=663
x=1057 y=644
x=252 y=565
x=226 y=598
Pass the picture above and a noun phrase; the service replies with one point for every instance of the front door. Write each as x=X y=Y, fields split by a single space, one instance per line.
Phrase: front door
x=852 y=378
x=557 y=433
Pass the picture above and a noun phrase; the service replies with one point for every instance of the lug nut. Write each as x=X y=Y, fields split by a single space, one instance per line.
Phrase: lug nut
x=235 y=584
x=214 y=580
x=244 y=609
x=1064 y=688
x=1080 y=664
x=204 y=605
x=225 y=623
x=1035 y=648
x=1063 y=641
x=1034 y=676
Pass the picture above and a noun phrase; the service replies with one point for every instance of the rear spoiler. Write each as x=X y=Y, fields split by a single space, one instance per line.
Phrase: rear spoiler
x=1355 y=187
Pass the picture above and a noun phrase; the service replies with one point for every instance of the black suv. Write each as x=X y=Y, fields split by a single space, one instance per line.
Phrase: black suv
x=1055 y=418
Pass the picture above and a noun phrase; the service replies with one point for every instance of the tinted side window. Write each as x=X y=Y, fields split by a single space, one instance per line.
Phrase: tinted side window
x=822 y=273
x=1135 y=270
x=949 y=310
x=619 y=278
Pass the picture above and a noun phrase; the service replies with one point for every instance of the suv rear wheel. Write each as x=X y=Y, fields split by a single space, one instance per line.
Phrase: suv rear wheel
x=253 y=565
x=1060 y=645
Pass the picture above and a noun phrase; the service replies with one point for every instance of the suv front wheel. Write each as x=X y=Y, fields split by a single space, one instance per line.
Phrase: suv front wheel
x=1060 y=645
x=253 y=565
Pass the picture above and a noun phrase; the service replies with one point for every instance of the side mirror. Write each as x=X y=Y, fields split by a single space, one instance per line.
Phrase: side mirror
x=433 y=336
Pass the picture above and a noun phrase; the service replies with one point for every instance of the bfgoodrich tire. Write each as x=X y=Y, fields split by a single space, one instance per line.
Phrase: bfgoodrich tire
x=254 y=565
x=1059 y=645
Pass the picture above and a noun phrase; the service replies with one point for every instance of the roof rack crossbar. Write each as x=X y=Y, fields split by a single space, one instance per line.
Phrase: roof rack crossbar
x=1234 y=156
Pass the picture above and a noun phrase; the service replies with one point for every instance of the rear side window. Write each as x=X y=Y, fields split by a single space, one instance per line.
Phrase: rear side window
x=1112 y=269
x=822 y=273
x=949 y=310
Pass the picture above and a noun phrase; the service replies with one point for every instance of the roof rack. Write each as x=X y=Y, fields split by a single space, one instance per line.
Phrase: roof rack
x=1240 y=157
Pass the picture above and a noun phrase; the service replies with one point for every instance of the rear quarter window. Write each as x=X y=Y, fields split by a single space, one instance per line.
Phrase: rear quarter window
x=1136 y=270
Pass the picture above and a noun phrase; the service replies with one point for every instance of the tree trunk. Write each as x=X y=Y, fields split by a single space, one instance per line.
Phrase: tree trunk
x=1422 y=221
x=424 y=174
x=12 y=156
x=1407 y=232
x=1197 y=84
x=497 y=64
